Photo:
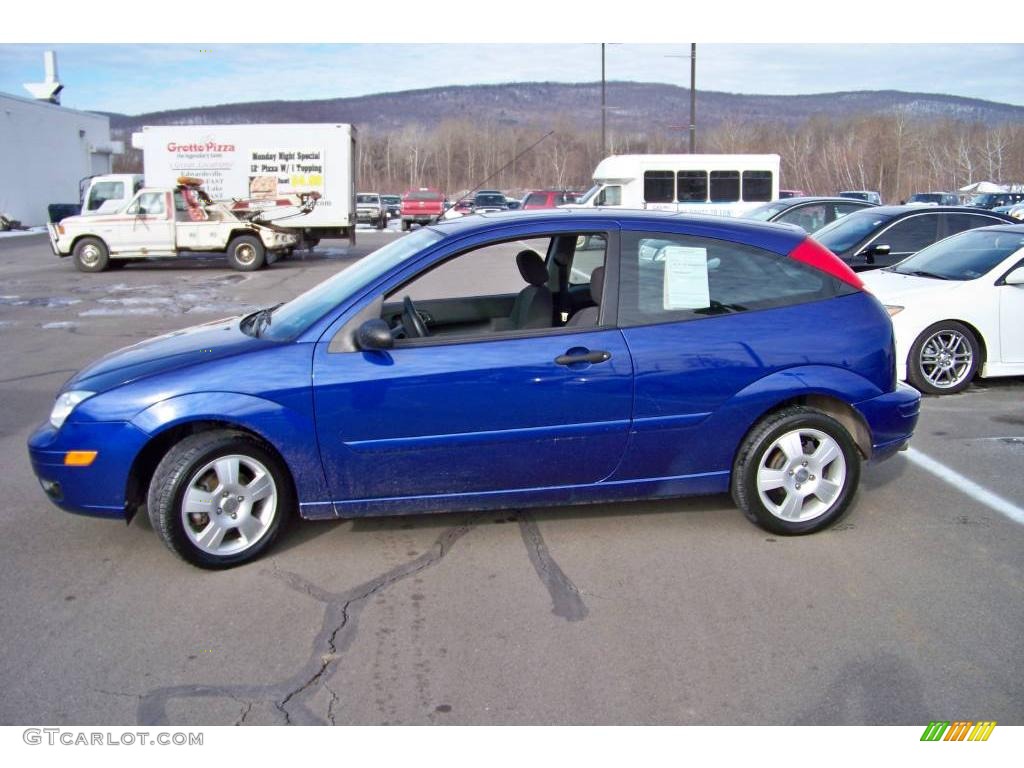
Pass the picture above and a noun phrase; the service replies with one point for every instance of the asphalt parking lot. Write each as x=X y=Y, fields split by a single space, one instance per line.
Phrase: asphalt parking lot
x=910 y=609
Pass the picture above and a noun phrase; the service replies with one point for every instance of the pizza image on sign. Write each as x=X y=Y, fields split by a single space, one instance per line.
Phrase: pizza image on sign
x=263 y=186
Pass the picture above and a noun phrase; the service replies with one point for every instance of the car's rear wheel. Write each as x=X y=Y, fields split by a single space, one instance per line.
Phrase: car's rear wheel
x=944 y=358
x=796 y=472
x=91 y=255
x=219 y=499
x=246 y=253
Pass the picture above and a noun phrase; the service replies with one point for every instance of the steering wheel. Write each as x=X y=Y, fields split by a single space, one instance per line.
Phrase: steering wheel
x=411 y=320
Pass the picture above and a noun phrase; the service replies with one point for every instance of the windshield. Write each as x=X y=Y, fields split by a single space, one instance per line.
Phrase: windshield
x=367 y=199
x=925 y=197
x=842 y=234
x=765 y=212
x=424 y=195
x=489 y=200
x=966 y=256
x=981 y=201
x=291 y=319
x=585 y=198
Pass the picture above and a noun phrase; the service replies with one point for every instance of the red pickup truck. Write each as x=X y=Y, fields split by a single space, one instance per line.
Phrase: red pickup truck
x=421 y=206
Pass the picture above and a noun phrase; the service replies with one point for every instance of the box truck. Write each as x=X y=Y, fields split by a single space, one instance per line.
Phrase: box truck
x=265 y=167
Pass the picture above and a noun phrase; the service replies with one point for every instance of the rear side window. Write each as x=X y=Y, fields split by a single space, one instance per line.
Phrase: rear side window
x=961 y=222
x=757 y=186
x=911 y=234
x=672 y=278
x=692 y=186
x=537 y=198
x=659 y=186
x=725 y=186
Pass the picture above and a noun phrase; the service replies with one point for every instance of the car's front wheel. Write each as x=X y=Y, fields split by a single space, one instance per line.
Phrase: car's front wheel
x=944 y=358
x=796 y=472
x=219 y=499
x=91 y=255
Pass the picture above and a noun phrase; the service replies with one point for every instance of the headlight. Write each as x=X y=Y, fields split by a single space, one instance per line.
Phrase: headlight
x=892 y=309
x=66 y=404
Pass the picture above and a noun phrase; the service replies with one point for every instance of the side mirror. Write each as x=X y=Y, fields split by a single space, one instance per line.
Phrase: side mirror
x=374 y=334
x=879 y=249
x=1016 y=277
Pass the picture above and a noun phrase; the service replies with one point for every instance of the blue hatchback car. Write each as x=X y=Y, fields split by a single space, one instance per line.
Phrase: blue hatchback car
x=636 y=355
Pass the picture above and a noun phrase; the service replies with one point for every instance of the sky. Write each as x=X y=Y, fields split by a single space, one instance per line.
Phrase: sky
x=138 y=78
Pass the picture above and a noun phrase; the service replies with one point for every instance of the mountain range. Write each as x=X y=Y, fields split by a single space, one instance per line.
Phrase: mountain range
x=631 y=106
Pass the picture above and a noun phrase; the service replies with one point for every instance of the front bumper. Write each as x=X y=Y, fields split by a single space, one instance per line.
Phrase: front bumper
x=891 y=418
x=368 y=214
x=99 y=489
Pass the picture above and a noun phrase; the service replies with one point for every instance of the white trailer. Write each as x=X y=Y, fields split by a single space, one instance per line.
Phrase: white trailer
x=725 y=185
x=263 y=166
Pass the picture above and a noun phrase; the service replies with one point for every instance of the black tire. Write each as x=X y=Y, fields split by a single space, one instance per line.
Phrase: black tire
x=246 y=253
x=405 y=225
x=91 y=255
x=924 y=368
x=760 y=445
x=176 y=471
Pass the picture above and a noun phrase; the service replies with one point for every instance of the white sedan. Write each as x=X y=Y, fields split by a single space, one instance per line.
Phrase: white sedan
x=957 y=308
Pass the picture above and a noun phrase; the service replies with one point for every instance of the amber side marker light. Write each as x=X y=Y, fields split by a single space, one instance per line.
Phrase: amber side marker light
x=79 y=458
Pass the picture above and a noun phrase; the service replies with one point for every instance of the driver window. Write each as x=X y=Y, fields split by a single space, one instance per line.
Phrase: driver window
x=150 y=203
x=506 y=287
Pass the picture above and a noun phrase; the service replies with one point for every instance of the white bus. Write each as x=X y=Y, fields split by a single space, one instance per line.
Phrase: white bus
x=726 y=185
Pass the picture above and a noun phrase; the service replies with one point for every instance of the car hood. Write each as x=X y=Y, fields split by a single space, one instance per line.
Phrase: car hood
x=175 y=350
x=891 y=286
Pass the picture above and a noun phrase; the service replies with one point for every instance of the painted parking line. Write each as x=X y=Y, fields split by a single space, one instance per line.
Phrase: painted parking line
x=977 y=492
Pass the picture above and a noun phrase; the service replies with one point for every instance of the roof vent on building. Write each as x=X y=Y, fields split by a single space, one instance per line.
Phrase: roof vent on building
x=48 y=90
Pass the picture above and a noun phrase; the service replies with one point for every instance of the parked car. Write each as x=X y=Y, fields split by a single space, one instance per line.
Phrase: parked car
x=371 y=209
x=882 y=236
x=394 y=205
x=863 y=194
x=726 y=365
x=1016 y=211
x=991 y=200
x=513 y=205
x=957 y=309
x=548 y=198
x=489 y=201
x=934 y=198
x=421 y=206
x=808 y=213
x=462 y=207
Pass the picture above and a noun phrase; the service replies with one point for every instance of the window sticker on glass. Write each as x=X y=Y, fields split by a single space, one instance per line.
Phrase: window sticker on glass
x=686 y=278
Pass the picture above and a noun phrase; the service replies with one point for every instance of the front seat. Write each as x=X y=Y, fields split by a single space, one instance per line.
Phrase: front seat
x=534 y=306
x=589 y=315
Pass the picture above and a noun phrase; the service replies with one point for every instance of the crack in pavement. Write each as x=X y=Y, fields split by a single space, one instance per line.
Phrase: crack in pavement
x=566 y=600
x=336 y=635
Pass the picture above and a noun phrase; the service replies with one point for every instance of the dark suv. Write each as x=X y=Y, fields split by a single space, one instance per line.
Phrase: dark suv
x=882 y=236
x=995 y=199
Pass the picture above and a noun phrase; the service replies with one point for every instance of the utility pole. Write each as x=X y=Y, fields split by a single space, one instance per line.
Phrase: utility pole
x=604 y=143
x=693 y=98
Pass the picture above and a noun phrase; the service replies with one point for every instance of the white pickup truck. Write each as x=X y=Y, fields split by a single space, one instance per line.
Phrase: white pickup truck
x=165 y=222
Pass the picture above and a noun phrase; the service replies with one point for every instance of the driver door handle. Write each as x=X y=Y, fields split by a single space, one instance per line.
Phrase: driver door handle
x=595 y=356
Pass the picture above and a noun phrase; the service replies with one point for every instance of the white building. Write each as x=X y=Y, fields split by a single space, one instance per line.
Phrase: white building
x=45 y=151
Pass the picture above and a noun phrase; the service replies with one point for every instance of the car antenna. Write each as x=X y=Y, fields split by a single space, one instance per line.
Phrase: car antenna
x=506 y=165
